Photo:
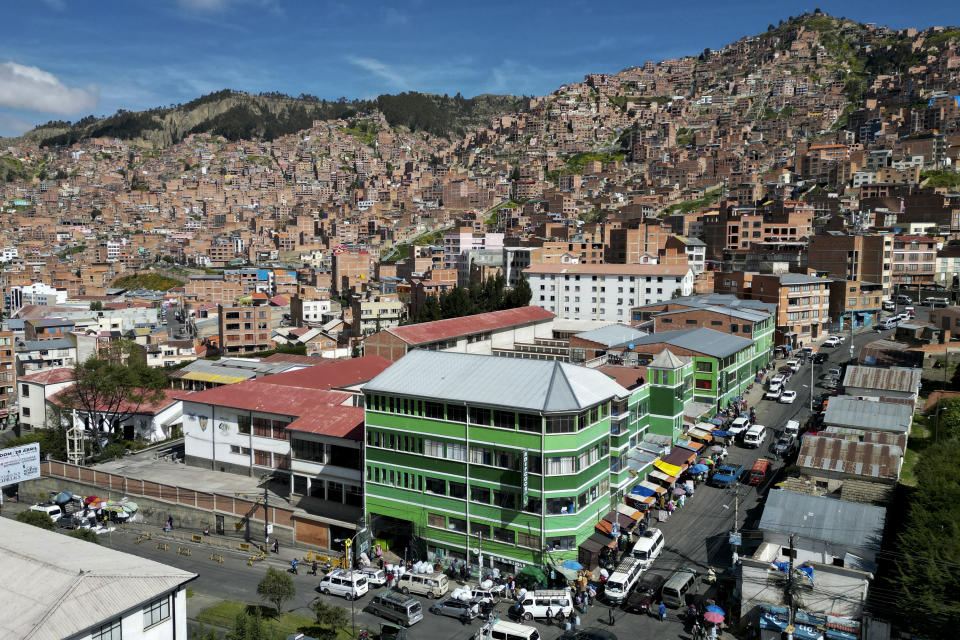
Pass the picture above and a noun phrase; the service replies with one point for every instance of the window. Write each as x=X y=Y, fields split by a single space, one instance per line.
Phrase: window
x=503 y=459
x=504 y=419
x=456 y=413
x=433 y=448
x=156 y=611
x=109 y=631
x=561 y=424
x=530 y=422
x=436 y=520
x=481 y=530
x=457 y=452
x=457 y=524
x=433 y=410
x=560 y=465
x=704 y=384
x=705 y=367
x=505 y=499
x=480 y=494
x=436 y=485
x=503 y=535
x=480 y=455
x=26 y=412
x=458 y=490
x=243 y=424
x=528 y=540
x=534 y=505
x=25 y=390
x=561 y=543
x=479 y=416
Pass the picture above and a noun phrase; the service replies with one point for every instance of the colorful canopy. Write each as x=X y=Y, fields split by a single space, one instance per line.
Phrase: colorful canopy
x=667 y=468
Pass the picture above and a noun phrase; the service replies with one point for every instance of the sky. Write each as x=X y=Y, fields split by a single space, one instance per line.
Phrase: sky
x=65 y=59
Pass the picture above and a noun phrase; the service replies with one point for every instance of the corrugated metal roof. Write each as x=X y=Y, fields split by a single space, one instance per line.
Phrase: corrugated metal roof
x=64 y=586
x=45 y=345
x=847 y=411
x=703 y=340
x=900 y=379
x=424 y=332
x=612 y=334
x=536 y=385
x=851 y=525
x=828 y=453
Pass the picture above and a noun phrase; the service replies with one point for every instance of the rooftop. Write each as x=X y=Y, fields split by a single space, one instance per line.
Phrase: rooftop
x=612 y=334
x=848 y=524
x=832 y=452
x=63 y=585
x=424 y=332
x=702 y=340
x=532 y=385
x=332 y=374
x=610 y=269
x=49 y=376
x=847 y=411
x=900 y=379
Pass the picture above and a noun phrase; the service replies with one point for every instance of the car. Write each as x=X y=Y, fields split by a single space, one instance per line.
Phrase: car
x=785 y=445
x=807 y=351
x=786 y=372
x=830 y=383
x=453 y=608
x=834 y=372
x=725 y=475
x=738 y=426
x=819 y=358
x=889 y=305
x=375 y=577
x=832 y=341
x=774 y=392
x=493 y=595
x=787 y=397
x=777 y=379
x=793 y=365
x=590 y=633
x=645 y=593
x=902 y=299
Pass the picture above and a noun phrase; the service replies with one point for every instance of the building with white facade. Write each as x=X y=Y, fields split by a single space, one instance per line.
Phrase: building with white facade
x=457 y=242
x=69 y=588
x=605 y=291
x=39 y=294
x=34 y=391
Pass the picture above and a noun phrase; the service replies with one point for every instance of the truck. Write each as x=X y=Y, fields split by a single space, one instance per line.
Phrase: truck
x=725 y=475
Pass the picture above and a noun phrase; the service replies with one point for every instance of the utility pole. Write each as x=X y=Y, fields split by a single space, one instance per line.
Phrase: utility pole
x=790 y=584
x=812 y=366
x=266 y=511
x=735 y=556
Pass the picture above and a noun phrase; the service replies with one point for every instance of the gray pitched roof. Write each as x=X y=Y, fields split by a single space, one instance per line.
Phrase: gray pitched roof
x=853 y=525
x=702 y=340
x=45 y=345
x=65 y=585
x=847 y=411
x=666 y=360
x=533 y=385
x=799 y=278
x=719 y=300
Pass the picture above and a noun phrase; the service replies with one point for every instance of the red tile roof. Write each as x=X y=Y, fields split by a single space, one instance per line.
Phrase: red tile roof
x=424 y=332
x=331 y=420
x=279 y=301
x=49 y=376
x=331 y=374
x=144 y=408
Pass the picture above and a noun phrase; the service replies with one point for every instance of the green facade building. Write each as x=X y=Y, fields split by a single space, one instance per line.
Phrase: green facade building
x=511 y=460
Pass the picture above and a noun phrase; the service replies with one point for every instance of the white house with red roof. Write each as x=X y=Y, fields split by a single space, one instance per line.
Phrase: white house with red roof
x=305 y=425
x=35 y=390
x=152 y=421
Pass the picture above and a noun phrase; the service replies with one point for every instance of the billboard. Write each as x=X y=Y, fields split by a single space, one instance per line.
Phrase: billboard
x=18 y=464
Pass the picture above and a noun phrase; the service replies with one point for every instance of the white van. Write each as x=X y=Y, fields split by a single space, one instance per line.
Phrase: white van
x=51 y=510
x=376 y=577
x=404 y=610
x=792 y=428
x=536 y=603
x=675 y=590
x=503 y=630
x=621 y=581
x=754 y=436
x=432 y=585
x=648 y=547
x=889 y=323
x=348 y=584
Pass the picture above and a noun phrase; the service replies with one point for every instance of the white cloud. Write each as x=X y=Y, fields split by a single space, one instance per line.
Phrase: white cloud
x=381 y=70
x=34 y=89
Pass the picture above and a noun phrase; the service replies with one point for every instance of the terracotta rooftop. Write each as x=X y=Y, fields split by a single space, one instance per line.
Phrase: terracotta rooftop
x=424 y=332
x=331 y=374
x=257 y=395
x=144 y=408
x=49 y=376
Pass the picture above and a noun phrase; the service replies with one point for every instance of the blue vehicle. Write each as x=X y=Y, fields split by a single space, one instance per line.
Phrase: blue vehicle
x=725 y=475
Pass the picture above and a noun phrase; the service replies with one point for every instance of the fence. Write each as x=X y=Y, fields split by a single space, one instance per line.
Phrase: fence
x=225 y=504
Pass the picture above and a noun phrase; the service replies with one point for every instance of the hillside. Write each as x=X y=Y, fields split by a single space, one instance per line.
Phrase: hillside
x=236 y=115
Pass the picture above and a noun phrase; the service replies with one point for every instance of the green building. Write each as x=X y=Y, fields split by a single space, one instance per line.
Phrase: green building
x=510 y=459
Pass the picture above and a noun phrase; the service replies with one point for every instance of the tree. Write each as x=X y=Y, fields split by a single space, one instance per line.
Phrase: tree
x=85 y=534
x=111 y=386
x=276 y=587
x=249 y=627
x=37 y=519
x=96 y=305
x=330 y=617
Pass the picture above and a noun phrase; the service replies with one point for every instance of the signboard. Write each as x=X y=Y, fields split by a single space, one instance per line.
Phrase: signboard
x=525 y=483
x=736 y=538
x=19 y=464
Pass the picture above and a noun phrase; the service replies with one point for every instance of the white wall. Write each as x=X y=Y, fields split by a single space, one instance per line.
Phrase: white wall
x=646 y=290
x=221 y=432
x=173 y=627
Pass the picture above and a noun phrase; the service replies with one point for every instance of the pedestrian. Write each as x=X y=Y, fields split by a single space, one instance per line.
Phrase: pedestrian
x=663 y=612
x=314 y=571
x=610 y=618
x=549 y=615
x=576 y=621
x=276 y=545
x=561 y=619
x=293 y=566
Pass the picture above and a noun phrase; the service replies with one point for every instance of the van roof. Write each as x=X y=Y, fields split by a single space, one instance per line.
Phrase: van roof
x=396 y=596
x=647 y=541
x=756 y=428
x=679 y=578
x=512 y=627
x=760 y=465
x=549 y=592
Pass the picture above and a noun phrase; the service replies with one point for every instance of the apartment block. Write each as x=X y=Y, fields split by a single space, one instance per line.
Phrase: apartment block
x=867 y=258
x=244 y=329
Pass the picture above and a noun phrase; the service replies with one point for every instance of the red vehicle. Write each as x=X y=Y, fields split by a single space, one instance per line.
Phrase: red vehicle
x=759 y=471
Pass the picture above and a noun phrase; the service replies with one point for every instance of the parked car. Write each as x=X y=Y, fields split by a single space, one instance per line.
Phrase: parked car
x=792 y=428
x=777 y=379
x=832 y=341
x=834 y=372
x=785 y=445
x=738 y=426
x=793 y=365
x=453 y=608
x=787 y=397
x=375 y=577
x=889 y=305
x=774 y=392
x=819 y=357
x=725 y=475
x=645 y=593
x=902 y=299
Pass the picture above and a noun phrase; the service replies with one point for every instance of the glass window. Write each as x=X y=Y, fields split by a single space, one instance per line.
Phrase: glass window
x=560 y=465
x=503 y=535
x=480 y=494
x=457 y=452
x=563 y=542
x=457 y=524
x=436 y=520
x=243 y=424
x=534 y=505
x=433 y=448
x=433 y=410
x=504 y=419
x=561 y=424
x=156 y=611
x=505 y=499
x=458 y=490
x=479 y=416
x=481 y=530
x=480 y=455
x=436 y=485
x=109 y=631
x=456 y=413
x=530 y=422
x=528 y=540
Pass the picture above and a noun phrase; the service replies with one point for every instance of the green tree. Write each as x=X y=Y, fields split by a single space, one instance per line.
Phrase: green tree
x=431 y=309
x=96 y=305
x=949 y=425
x=204 y=633
x=249 y=627
x=111 y=386
x=276 y=587
x=37 y=519
x=330 y=617
x=85 y=534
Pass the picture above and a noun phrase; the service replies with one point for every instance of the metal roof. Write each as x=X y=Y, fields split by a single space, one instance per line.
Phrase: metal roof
x=667 y=360
x=839 y=455
x=534 y=385
x=900 y=379
x=424 y=332
x=847 y=411
x=233 y=368
x=612 y=334
x=65 y=586
x=799 y=278
x=851 y=525
x=45 y=345
x=702 y=340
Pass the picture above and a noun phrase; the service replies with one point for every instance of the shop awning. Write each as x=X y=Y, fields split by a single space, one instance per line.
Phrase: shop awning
x=668 y=468
x=630 y=512
x=662 y=477
x=701 y=434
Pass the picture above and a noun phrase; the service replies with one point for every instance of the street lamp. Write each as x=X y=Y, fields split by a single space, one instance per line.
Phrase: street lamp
x=347 y=543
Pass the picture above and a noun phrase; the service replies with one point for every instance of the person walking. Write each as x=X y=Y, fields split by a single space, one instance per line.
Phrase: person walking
x=610 y=618
x=293 y=566
x=314 y=568
x=662 y=612
x=549 y=619
x=276 y=545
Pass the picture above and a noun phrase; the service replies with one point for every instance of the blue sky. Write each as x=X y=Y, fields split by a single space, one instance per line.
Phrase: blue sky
x=64 y=59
